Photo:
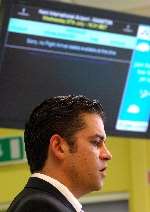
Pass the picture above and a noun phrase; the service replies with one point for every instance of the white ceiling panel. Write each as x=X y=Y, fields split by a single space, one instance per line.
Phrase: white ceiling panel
x=140 y=7
x=115 y=4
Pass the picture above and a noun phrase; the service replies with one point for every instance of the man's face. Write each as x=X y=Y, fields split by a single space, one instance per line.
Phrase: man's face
x=87 y=166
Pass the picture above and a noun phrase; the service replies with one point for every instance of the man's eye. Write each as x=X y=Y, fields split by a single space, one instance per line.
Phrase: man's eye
x=97 y=143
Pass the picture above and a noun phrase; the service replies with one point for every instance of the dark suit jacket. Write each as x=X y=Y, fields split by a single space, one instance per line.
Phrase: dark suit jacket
x=40 y=196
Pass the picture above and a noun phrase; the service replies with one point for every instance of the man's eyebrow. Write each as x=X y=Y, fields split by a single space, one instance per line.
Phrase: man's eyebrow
x=101 y=137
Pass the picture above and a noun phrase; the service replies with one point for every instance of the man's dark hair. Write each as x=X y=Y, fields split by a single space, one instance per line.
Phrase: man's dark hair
x=57 y=115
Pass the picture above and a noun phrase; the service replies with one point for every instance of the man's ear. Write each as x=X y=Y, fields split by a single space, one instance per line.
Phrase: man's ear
x=58 y=146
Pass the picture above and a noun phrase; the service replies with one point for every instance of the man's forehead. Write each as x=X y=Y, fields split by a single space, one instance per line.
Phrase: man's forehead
x=92 y=118
x=94 y=122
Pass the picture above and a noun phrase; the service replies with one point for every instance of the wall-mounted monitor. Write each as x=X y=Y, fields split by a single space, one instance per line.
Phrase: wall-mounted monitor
x=52 y=48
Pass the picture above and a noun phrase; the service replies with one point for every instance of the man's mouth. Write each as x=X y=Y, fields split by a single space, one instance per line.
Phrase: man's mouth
x=103 y=171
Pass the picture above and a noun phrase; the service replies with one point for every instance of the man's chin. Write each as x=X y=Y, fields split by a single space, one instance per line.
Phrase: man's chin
x=99 y=186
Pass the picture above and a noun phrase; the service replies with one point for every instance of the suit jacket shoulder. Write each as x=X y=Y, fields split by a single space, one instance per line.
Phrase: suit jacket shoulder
x=40 y=196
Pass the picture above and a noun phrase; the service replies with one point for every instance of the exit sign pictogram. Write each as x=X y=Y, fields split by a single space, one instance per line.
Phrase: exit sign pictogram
x=11 y=149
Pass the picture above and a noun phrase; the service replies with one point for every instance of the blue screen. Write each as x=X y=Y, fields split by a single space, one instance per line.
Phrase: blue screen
x=59 y=49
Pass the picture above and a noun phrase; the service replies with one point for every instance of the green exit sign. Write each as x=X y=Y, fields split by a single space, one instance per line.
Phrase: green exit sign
x=11 y=149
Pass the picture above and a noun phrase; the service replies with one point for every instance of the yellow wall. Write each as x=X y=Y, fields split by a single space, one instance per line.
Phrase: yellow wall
x=13 y=176
x=127 y=172
x=139 y=167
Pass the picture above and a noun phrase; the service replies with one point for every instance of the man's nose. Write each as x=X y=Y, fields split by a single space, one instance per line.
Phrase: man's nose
x=105 y=154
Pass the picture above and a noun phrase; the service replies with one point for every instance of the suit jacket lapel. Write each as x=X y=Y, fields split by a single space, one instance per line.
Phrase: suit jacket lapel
x=42 y=185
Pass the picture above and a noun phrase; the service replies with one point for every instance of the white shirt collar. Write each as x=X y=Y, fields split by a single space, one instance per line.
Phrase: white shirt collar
x=62 y=188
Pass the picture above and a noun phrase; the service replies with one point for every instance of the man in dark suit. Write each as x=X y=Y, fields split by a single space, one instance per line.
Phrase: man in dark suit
x=65 y=144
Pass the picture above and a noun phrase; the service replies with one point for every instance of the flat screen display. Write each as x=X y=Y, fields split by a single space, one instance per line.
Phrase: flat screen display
x=52 y=48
